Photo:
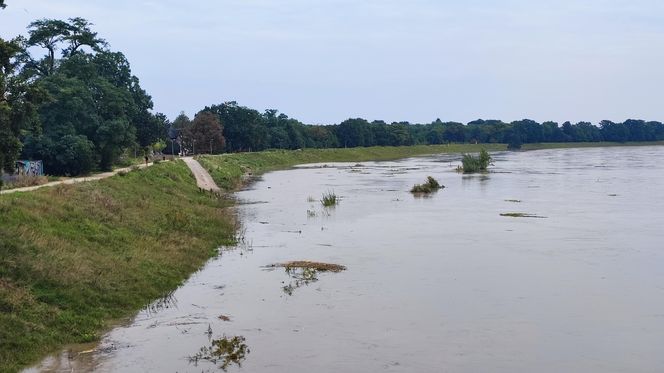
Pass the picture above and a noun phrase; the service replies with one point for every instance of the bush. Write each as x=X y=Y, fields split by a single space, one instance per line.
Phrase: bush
x=472 y=164
x=430 y=186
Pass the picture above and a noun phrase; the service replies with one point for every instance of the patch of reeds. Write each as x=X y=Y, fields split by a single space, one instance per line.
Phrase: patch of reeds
x=329 y=199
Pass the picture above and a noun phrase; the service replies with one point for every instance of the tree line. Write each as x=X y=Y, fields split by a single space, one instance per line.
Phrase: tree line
x=246 y=129
x=66 y=98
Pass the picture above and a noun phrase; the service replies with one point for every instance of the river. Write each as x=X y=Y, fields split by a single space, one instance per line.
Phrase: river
x=442 y=283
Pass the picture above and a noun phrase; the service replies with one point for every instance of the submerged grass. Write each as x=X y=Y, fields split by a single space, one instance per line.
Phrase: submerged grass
x=74 y=257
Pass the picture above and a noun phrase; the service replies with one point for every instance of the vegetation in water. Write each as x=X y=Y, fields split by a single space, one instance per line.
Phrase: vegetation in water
x=431 y=185
x=303 y=273
x=473 y=164
x=319 y=266
x=300 y=277
x=329 y=199
x=521 y=215
x=225 y=352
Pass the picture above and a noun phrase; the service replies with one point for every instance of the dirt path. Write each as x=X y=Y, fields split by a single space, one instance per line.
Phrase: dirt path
x=75 y=179
x=203 y=178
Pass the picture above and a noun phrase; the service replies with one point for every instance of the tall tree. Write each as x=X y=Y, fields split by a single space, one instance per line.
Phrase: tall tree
x=204 y=133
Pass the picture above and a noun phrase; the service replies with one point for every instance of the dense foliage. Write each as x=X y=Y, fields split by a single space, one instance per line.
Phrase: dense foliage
x=70 y=101
x=472 y=164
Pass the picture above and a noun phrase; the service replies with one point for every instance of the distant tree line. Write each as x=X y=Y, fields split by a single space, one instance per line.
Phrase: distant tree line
x=246 y=129
x=67 y=99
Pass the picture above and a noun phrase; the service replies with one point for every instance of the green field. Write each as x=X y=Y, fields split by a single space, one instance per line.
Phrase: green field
x=76 y=258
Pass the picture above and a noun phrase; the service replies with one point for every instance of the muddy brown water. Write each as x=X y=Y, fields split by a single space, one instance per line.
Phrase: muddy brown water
x=436 y=284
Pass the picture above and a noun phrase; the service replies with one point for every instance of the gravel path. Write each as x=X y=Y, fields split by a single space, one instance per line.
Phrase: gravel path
x=203 y=178
x=74 y=180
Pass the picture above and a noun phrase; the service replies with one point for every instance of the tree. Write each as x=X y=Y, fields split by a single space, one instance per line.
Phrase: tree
x=617 y=132
x=56 y=35
x=93 y=99
x=205 y=132
x=244 y=128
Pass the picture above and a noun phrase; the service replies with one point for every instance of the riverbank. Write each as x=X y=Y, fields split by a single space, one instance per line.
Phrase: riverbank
x=75 y=257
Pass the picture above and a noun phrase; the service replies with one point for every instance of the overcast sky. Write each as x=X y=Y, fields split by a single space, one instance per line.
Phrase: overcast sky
x=416 y=60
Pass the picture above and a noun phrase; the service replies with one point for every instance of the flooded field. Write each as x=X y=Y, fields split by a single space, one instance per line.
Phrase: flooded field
x=553 y=262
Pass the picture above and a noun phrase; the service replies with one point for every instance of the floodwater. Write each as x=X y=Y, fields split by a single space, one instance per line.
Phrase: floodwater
x=433 y=284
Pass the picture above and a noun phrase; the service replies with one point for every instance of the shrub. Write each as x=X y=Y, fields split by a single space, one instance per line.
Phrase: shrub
x=430 y=186
x=472 y=164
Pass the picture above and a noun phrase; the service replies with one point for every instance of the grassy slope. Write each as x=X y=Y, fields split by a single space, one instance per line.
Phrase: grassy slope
x=74 y=257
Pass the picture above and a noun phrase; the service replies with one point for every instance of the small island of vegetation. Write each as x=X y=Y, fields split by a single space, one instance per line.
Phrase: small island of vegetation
x=472 y=164
x=432 y=185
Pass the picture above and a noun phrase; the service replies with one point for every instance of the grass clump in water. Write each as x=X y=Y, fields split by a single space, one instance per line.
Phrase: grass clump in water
x=329 y=199
x=521 y=215
x=432 y=185
x=472 y=164
x=225 y=351
x=304 y=272
x=305 y=264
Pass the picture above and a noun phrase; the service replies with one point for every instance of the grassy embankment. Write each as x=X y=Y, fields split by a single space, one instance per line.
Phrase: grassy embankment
x=75 y=257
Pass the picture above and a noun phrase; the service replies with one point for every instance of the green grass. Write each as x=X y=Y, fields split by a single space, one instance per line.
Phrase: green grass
x=74 y=257
x=329 y=199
